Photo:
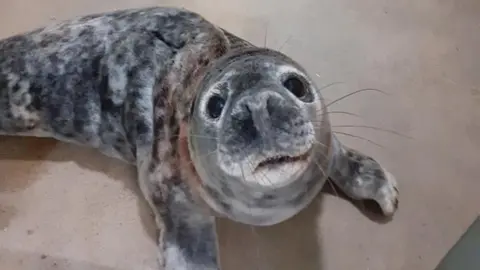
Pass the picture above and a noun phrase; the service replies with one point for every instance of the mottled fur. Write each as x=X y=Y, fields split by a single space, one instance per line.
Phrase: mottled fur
x=134 y=85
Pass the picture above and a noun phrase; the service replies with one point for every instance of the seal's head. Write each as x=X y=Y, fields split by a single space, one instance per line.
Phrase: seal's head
x=258 y=137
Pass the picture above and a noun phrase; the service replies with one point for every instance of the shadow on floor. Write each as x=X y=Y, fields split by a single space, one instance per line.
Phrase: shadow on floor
x=293 y=244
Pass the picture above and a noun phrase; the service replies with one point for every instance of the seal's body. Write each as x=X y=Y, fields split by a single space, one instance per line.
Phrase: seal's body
x=214 y=125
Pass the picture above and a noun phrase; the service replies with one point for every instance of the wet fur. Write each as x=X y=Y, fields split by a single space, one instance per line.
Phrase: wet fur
x=124 y=82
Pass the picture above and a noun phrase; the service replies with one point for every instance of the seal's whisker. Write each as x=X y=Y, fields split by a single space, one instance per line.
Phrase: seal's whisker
x=328 y=85
x=250 y=165
x=284 y=43
x=328 y=180
x=350 y=135
x=207 y=154
x=316 y=142
x=204 y=137
x=354 y=93
x=320 y=167
x=315 y=122
x=332 y=185
x=264 y=176
x=202 y=156
x=340 y=112
x=266 y=34
x=374 y=128
x=358 y=137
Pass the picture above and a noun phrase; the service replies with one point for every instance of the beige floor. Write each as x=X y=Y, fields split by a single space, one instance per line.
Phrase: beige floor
x=62 y=207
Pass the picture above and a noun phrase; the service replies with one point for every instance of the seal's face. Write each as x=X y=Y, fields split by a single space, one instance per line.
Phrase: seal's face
x=254 y=135
x=261 y=112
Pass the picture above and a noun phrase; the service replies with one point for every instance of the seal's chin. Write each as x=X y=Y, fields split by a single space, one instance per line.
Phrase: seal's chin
x=276 y=171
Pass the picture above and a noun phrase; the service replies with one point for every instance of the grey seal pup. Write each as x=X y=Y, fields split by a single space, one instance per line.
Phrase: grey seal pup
x=216 y=126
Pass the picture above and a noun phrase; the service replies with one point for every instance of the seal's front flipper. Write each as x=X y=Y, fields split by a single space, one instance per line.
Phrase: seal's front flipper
x=188 y=240
x=362 y=178
x=187 y=234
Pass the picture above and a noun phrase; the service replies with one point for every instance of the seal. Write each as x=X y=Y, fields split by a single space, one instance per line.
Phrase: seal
x=216 y=126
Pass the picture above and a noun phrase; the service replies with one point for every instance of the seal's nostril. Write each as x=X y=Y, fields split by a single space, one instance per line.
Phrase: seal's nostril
x=250 y=129
x=248 y=110
x=243 y=120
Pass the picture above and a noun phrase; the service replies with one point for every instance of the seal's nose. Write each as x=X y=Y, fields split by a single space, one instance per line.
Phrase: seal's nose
x=256 y=114
x=261 y=110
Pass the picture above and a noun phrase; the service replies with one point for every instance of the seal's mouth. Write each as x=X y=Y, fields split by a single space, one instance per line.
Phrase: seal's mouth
x=277 y=161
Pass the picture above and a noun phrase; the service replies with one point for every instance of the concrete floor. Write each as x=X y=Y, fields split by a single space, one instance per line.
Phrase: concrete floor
x=63 y=207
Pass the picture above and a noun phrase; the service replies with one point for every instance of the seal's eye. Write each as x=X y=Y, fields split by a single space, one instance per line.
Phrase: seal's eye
x=215 y=106
x=296 y=86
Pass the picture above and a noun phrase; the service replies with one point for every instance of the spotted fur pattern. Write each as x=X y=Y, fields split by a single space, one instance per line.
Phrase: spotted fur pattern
x=124 y=82
x=109 y=81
